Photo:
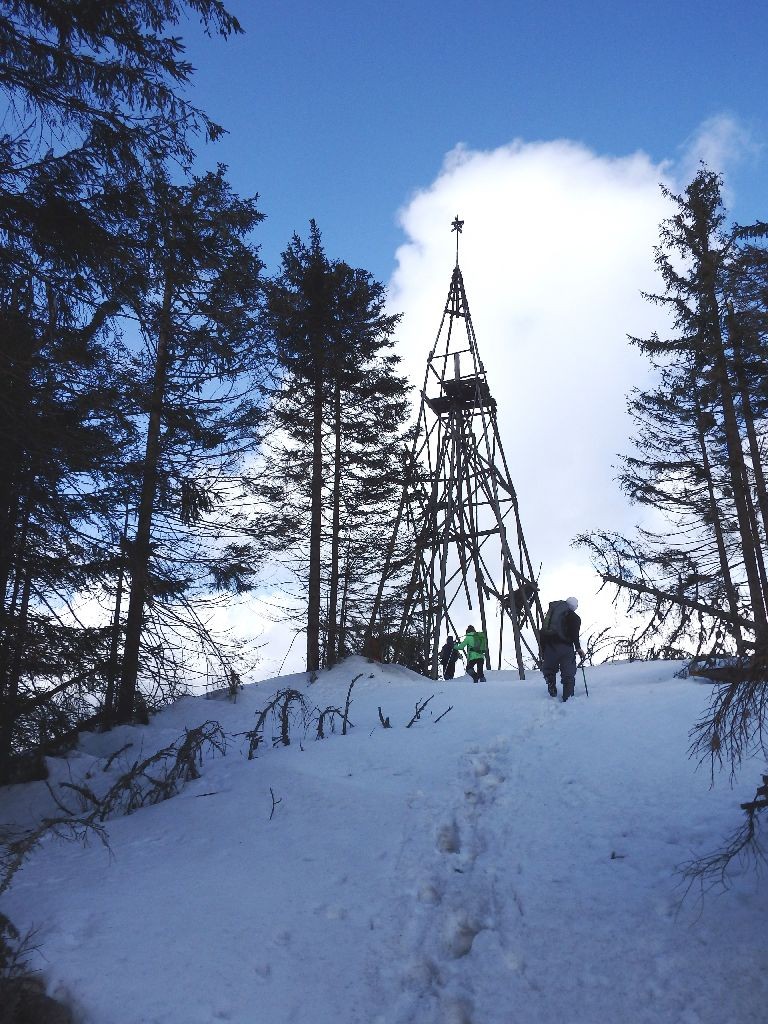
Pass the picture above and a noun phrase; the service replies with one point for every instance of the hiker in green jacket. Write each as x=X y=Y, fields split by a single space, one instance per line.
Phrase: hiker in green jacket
x=475 y=645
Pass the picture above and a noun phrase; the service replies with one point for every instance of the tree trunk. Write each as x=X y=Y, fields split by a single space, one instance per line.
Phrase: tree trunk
x=11 y=498
x=341 y=646
x=140 y=553
x=10 y=602
x=747 y=412
x=15 y=369
x=737 y=474
x=755 y=528
x=331 y=651
x=315 y=534
x=725 y=569
x=114 y=647
x=11 y=687
x=710 y=312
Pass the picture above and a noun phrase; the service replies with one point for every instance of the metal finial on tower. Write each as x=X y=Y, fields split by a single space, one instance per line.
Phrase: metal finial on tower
x=457 y=226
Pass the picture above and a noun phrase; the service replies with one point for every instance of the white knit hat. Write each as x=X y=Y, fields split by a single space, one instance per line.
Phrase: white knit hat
x=572 y=603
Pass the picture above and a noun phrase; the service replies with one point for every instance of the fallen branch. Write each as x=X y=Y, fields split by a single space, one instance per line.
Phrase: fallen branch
x=170 y=768
x=117 y=753
x=419 y=709
x=256 y=735
x=760 y=803
x=13 y=852
x=712 y=870
x=345 y=720
x=449 y=708
x=332 y=712
x=274 y=802
x=137 y=787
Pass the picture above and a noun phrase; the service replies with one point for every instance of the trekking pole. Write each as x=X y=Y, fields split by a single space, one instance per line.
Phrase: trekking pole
x=584 y=676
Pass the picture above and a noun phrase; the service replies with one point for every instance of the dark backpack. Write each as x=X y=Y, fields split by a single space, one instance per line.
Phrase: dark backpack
x=553 y=628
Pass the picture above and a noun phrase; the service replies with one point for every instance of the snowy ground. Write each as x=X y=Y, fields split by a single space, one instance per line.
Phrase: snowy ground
x=513 y=863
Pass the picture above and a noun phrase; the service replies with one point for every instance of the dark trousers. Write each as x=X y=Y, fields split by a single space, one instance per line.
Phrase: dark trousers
x=559 y=657
x=475 y=669
x=449 y=666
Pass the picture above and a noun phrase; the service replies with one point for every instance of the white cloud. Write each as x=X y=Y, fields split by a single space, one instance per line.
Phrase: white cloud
x=556 y=249
x=721 y=142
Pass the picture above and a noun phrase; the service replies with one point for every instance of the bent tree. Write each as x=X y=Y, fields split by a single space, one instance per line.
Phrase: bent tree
x=198 y=315
x=701 y=578
x=701 y=440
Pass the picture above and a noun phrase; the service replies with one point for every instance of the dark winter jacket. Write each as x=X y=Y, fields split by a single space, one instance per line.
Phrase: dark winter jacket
x=571 y=628
x=448 y=653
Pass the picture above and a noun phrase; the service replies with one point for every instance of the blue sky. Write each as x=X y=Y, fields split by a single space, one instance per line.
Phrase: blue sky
x=548 y=127
x=340 y=110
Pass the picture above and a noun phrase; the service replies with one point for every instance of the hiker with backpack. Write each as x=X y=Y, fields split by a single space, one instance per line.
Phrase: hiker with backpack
x=476 y=646
x=448 y=658
x=560 y=644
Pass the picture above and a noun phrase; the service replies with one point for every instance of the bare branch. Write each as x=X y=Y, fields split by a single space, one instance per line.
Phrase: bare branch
x=275 y=802
x=419 y=709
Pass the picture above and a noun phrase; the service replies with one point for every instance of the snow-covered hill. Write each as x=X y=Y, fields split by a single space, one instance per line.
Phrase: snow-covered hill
x=512 y=863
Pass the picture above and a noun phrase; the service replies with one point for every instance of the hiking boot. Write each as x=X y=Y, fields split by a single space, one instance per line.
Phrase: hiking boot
x=551 y=689
x=565 y=697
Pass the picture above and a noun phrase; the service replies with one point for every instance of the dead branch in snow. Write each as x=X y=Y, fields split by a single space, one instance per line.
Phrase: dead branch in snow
x=419 y=709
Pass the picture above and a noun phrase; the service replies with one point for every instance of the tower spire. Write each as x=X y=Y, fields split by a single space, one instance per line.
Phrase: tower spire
x=457 y=547
x=457 y=226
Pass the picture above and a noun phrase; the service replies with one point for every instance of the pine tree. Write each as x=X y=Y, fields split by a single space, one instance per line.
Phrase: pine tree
x=95 y=85
x=339 y=406
x=198 y=314
x=698 y=458
x=369 y=407
x=62 y=430
x=93 y=108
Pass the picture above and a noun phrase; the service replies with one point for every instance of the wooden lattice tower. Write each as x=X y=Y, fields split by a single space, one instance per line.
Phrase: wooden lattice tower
x=459 y=509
